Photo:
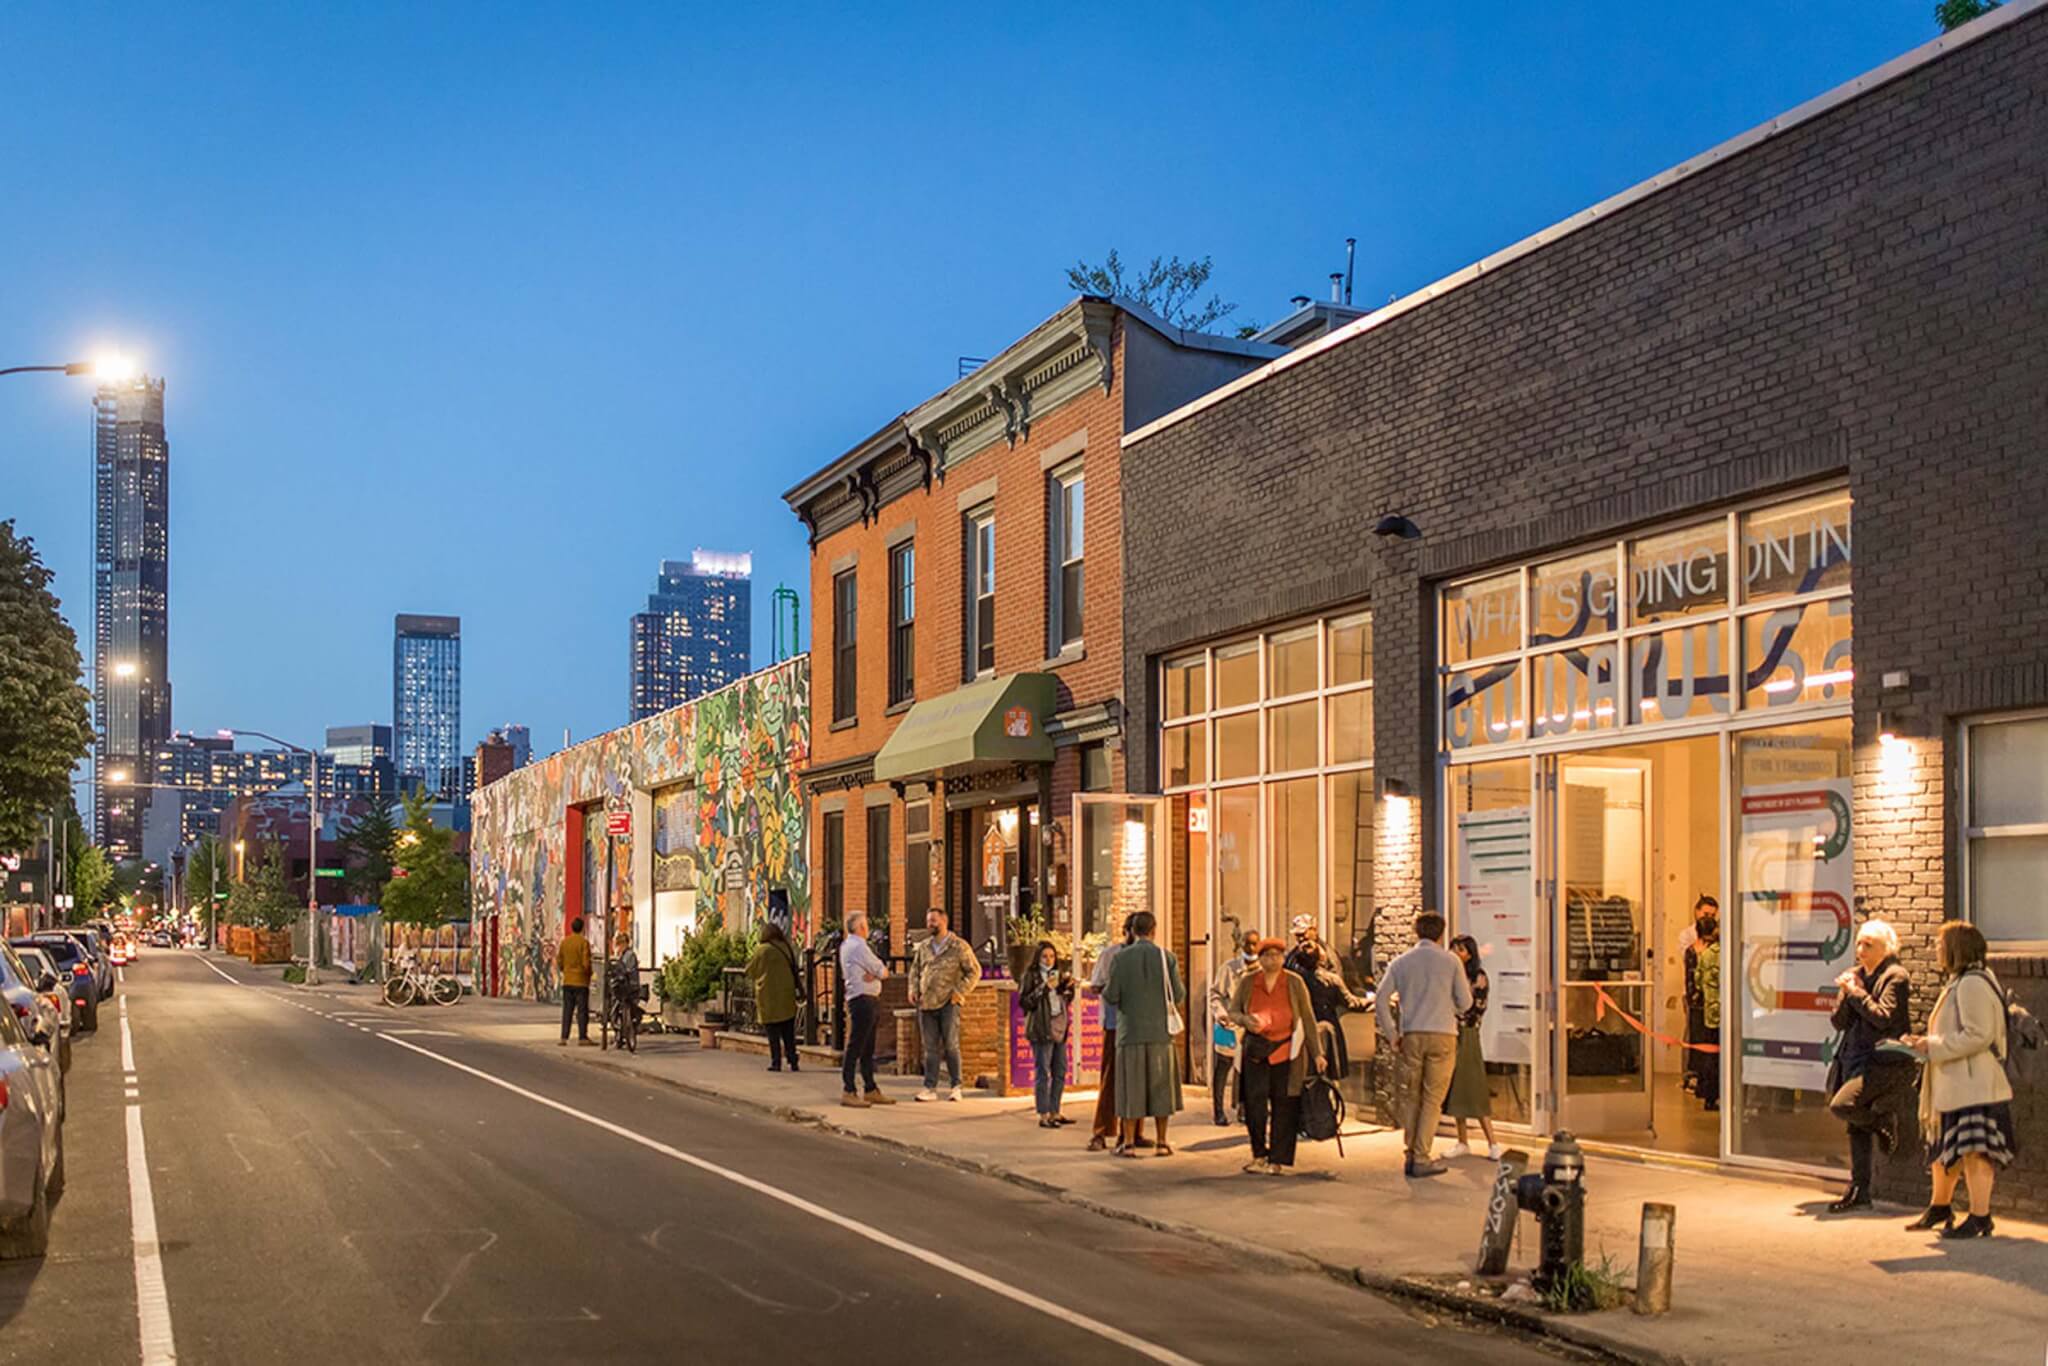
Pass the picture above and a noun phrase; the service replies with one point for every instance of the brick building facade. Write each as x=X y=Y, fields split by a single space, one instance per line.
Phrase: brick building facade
x=966 y=570
x=1832 y=320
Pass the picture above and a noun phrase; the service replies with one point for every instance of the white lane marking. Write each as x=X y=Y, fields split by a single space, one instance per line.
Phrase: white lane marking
x=934 y=1260
x=127 y=1044
x=233 y=982
x=133 y=1094
x=152 y=1300
x=121 y=976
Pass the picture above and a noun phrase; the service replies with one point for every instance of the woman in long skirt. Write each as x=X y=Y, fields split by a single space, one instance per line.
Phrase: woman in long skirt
x=1470 y=1096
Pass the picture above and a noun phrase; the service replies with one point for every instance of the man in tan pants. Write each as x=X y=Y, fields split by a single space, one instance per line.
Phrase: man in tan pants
x=1430 y=986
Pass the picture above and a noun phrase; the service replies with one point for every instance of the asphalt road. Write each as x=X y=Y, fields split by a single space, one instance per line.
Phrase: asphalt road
x=339 y=1184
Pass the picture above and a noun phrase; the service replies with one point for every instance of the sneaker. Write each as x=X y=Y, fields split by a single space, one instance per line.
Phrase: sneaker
x=927 y=1094
x=1275 y=1169
x=1461 y=1149
x=853 y=1102
x=1493 y=1152
x=877 y=1098
x=1258 y=1166
x=953 y=1094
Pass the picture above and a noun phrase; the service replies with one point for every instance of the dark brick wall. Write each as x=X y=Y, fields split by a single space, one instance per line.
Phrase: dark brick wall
x=1860 y=296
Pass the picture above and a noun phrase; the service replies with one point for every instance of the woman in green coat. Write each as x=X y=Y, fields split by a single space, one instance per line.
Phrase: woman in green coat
x=772 y=969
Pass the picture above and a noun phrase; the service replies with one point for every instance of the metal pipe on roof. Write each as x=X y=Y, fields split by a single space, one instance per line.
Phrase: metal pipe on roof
x=1350 y=263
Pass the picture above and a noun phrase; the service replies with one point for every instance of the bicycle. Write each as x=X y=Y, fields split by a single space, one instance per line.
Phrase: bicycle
x=621 y=1019
x=414 y=983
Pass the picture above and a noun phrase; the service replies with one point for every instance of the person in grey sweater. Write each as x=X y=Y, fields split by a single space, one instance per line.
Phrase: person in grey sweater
x=1429 y=986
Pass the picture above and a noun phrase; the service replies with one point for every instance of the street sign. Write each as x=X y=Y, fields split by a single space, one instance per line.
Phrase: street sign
x=619 y=823
x=330 y=872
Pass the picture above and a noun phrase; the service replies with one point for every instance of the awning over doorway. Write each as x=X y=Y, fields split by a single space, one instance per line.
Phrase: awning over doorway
x=993 y=722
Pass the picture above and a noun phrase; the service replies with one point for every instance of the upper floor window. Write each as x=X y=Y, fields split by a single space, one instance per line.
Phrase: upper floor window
x=845 y=663
x=981 y=592
x=1067 y=545
x=902 y=619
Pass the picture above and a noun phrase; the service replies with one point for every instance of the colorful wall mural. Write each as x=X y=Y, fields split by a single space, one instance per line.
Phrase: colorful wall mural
x=740 y=749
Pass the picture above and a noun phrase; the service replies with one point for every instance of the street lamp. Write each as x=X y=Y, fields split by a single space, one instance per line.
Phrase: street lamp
x=113 y=368
x=312 y=845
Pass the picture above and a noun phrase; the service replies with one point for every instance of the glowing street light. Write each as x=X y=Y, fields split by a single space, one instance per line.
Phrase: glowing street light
x=119 y=775
x=110 y=368
x=125 y=669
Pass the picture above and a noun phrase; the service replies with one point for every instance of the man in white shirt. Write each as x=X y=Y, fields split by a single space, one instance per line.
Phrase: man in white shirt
x=861 y=972
x=1430 y=986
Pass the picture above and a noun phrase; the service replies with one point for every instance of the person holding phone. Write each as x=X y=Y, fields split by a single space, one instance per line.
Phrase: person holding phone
x=1046 y=996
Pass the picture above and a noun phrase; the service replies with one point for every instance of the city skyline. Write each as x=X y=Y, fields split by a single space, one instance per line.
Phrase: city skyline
x=694 y=636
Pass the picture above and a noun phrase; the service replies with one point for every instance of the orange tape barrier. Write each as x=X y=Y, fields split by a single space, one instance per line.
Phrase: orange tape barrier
x=1642 y=1028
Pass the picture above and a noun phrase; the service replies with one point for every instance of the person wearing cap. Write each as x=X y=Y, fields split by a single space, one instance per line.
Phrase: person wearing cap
x=1313 y=962
x=1279 y=1045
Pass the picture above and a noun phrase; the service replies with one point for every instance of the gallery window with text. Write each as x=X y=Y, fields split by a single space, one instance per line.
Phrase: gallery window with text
x=1065 y=543
x=845 y=662
x=981 y=593
x=1269 y=738
x=2005 y=864
x=902 y=622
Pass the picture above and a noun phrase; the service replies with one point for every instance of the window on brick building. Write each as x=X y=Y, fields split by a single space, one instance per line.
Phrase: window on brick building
x=902 y=623
x=1065 y=544
x=981 y=593
x=834 y=840
x=845 y=663
x=2005 y=858
x=878 y=864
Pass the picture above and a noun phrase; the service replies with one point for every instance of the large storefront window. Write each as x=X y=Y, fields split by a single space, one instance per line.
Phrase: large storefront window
x=1267 y=741
x=1644 y=738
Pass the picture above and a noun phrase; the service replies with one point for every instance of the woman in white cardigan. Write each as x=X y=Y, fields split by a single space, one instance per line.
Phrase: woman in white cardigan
x=1965 y=1100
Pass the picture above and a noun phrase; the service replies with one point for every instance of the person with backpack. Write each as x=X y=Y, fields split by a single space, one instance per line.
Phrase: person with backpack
x=1278 y=1044
x=1965 y=1096
x=773 y=972
x=1873 y=1007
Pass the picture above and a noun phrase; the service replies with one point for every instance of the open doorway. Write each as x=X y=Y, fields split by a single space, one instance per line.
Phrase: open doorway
x=1638 y=844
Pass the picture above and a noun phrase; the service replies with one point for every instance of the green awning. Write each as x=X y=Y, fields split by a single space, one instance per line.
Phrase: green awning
x=993 y=722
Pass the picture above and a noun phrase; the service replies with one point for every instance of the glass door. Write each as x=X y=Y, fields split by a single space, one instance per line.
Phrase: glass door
x=1600 y=806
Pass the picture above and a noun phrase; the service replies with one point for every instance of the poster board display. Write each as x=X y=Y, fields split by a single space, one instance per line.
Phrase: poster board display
x=1495 y=890
x=1798 y=932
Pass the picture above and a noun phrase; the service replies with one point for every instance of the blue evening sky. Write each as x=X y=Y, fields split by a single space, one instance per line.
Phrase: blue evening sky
x=485 y=309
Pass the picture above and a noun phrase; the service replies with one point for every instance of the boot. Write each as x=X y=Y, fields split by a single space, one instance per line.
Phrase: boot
x=1937 y=1216
x=875 y=1097
x=1976 y=1226
x=1855 y=1198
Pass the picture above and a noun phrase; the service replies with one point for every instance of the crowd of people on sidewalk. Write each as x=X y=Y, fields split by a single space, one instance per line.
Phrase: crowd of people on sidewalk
x=1277 y=1036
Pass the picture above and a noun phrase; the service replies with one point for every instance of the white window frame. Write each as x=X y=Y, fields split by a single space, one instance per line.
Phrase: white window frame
x=979 y=520
x=1969 y=831
x=1070 y=476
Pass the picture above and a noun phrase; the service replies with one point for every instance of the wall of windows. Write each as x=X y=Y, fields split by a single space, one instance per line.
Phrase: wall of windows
x=1269 y=739
x=2005 y=858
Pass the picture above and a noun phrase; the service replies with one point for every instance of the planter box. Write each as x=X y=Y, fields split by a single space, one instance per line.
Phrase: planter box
x=681 y=1017
x=270 y=946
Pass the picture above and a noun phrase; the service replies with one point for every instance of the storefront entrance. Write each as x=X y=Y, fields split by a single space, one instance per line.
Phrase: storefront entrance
x=1619 y=761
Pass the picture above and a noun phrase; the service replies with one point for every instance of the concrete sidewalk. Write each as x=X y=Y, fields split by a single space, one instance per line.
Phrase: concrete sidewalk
x=1762 y=1274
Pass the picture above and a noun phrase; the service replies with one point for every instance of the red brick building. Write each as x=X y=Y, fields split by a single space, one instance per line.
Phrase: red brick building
x=967 y=621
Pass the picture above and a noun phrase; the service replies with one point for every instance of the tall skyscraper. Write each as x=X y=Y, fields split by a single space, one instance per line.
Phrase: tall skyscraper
x=426 y=702
x=131 y=689
x=696 y=633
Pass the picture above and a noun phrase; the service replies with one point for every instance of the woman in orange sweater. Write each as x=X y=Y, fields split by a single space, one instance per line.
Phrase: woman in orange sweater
x=1271 y=1005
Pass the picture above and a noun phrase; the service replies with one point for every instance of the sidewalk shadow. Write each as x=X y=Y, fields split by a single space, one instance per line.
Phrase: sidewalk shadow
x=2019 y=1262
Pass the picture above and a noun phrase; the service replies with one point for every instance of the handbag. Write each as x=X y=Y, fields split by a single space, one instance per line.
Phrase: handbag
x=1174 y=1023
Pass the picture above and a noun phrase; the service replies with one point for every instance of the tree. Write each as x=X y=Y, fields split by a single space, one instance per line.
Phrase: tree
x=1953 y=14
x=1168 y=287
x=87 y=879
x=264 y=899
x=368 y=849
x=44 y=730
x=206 y=872
x=429 y=885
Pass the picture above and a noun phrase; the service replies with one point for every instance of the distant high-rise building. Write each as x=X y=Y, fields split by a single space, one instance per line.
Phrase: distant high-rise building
x=211 y=772
x=426 y=702
x=363 y=745
x=696 y=633
x=493 y=759
x=131 y=688
x=521 y=740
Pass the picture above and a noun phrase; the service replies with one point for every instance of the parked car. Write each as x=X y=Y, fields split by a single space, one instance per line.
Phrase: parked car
x=96 y=950
x=74 y=970
x=38 y=962
x=31 y=1141
x=162 y=940
x=22 y=989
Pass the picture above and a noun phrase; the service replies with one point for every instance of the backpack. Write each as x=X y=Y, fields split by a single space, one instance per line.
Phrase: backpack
x=1322 y=1112
x=2024 y=1034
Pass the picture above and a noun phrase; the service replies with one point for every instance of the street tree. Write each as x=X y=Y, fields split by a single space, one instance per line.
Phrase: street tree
x=206 y=873
x=1169 y=286
x=368 y=848
x=263 y=899
x=1953 y=14
x=87 y=880
x=44 y=730
x=429 y=885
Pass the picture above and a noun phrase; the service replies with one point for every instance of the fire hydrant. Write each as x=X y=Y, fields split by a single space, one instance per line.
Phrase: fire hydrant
x=1558 y=1200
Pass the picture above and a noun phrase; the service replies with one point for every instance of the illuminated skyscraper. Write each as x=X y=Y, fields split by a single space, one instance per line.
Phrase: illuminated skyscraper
x=426 y=703
x=696 y=633
x=131 y=689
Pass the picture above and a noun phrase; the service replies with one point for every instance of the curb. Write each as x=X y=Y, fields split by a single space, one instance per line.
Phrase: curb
x=1411 y=1290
